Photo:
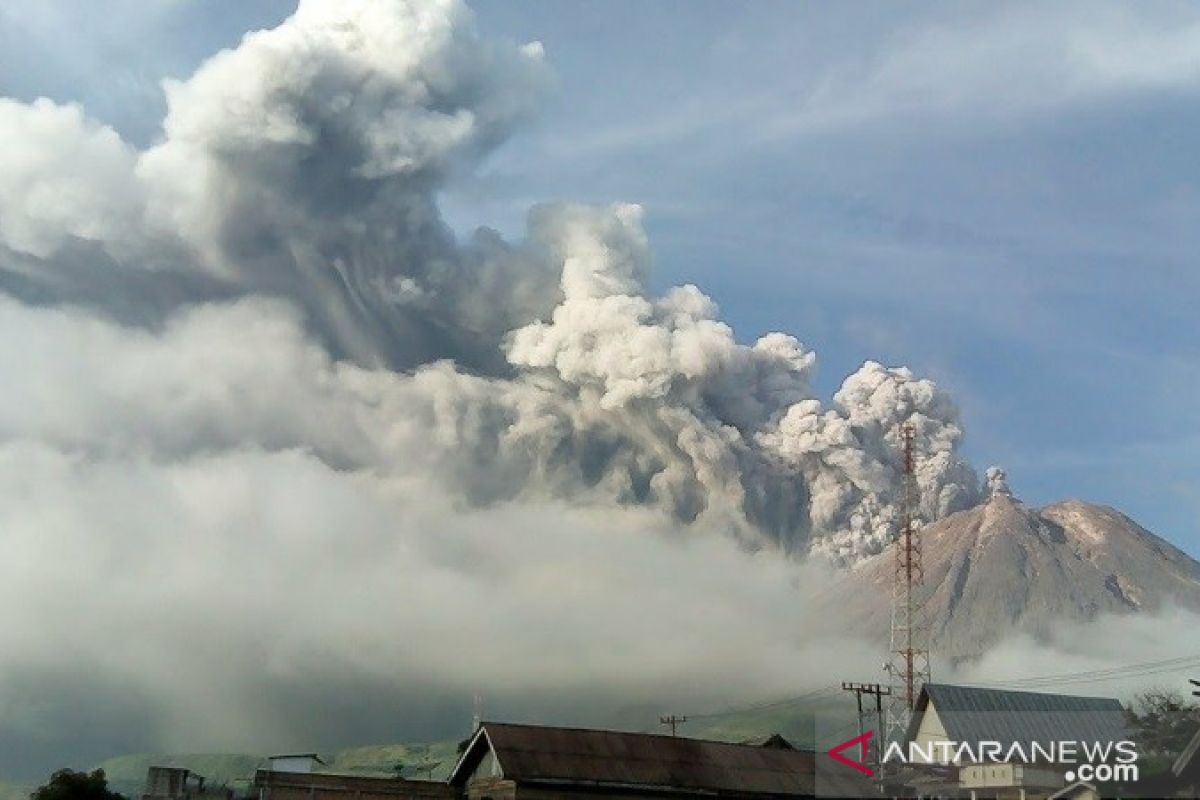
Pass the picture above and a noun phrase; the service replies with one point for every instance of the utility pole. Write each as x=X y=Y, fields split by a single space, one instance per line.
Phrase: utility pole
x=878 y=692
x=909 y=661
x=672 y=721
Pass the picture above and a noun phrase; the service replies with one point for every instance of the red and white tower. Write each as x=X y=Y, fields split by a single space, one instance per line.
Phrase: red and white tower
x=908 y=664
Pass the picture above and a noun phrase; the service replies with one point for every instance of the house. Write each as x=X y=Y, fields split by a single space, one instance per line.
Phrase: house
x=524 y=762
x=946 y=717
x=177 y=783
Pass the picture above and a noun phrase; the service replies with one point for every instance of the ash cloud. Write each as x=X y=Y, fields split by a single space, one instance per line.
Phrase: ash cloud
x=258 y=394
x=303 y=165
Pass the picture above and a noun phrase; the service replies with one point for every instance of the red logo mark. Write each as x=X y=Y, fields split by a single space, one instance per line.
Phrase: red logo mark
x=861 y=741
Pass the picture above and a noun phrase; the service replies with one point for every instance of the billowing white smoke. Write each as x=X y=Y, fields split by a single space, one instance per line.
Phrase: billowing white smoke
x=850 y=456
x=303 y=166
x=996 y=480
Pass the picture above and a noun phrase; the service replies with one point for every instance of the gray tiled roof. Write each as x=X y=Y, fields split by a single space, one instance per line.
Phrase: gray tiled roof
x=972 y=714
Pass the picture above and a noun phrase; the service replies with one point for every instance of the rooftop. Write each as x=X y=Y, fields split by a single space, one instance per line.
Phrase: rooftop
x=582 y=757
x=973 y=714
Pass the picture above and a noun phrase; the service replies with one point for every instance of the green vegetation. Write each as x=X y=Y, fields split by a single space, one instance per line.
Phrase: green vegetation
x=67 y=784
x=1162 y=723
x=432 y=760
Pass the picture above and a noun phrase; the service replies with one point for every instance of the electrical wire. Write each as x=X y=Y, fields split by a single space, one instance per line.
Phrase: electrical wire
x=1142 y=669
x=1126 y=671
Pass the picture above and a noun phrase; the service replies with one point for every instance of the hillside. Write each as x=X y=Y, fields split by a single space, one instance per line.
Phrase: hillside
x=424 y=760
x=1003 y=567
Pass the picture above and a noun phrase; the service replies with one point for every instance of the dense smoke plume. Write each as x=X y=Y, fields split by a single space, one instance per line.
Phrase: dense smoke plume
x=303 y=166
x=257 y=393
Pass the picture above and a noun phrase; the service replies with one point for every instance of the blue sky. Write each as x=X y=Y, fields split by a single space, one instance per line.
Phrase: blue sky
x=1001 y=196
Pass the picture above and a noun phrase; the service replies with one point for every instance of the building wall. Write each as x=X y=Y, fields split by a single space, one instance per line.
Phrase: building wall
x=177 y=783
x=975 y=776
x=491 y=789
x=487 y=769
x=1010 y=774
x=165 y=781
x=930 y=730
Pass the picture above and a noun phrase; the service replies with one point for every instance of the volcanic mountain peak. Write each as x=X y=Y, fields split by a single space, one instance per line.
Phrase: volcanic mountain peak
x=1003 y=567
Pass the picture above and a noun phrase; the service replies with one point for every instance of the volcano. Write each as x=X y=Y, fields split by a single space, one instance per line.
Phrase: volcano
x=1003 y=567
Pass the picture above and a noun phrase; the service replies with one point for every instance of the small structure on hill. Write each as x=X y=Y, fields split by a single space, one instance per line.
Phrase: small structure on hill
x=178 y=783
x=296 y=762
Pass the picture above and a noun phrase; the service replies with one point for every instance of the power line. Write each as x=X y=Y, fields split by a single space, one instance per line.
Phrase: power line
x=767 y=706
x=1082 y=676
x=871 y=690
x=1109 y=673
x=1101 y=673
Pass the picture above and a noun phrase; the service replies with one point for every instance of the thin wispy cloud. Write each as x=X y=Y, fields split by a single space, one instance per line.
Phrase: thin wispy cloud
x=1009 y=65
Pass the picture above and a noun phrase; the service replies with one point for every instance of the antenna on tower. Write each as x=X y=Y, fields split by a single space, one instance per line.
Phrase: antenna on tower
x=908 y=662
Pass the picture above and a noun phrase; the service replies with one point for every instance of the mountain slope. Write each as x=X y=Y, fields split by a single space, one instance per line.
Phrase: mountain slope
x=1003 y=567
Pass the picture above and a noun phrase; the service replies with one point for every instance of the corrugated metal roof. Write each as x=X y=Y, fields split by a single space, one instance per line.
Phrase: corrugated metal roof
x=973 y=714
x=571 y=756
